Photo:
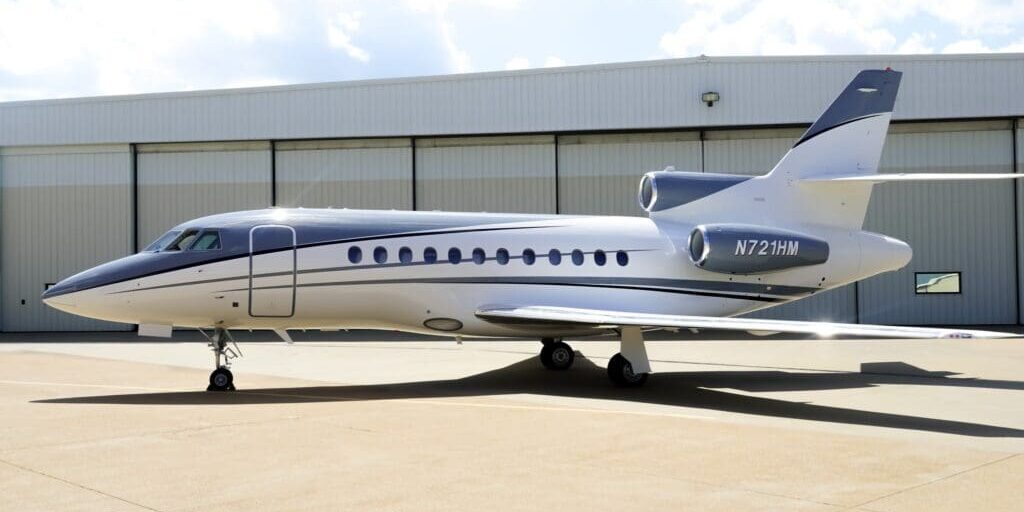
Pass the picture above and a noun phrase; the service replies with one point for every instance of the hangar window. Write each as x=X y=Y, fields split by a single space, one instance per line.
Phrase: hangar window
x=405 y=255
x=577 y=257
x=529 y=256
x=479 y=256
x=208 y=241
x=380 y=255
x=555 y=257
x=936 y=282
x=162 y=242
x=184 y=240
x=454 y=256
x=355 y=254
x=501 y=256
x=622 y=258
x=600 y=258
x=430 y=255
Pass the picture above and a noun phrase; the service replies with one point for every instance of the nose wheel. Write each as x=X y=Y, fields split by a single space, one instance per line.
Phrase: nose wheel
x=556 y=355
x=221 y=378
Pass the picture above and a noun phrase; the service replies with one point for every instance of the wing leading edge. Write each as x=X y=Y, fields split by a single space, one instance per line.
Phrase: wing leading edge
x=616 y=319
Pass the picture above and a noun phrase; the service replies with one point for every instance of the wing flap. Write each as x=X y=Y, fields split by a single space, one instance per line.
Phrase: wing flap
x=614 y=319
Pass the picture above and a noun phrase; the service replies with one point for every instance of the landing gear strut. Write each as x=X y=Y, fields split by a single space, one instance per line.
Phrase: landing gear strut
x=556 y=354
x=221 y=378
x=630 y=367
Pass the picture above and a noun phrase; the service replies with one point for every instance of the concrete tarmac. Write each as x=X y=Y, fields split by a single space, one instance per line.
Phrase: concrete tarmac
x=765 y=424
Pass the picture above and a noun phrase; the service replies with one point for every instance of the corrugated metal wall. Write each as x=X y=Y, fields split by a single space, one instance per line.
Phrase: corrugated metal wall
x=64 y=209
x=179 y=182
x=626 y=96
x=373 y=173
x=599 y=174
x=965 y=226
x=1019 y=168
x=492 y=174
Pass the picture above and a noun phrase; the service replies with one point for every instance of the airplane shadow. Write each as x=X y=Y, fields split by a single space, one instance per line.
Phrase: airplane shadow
x=587 y=380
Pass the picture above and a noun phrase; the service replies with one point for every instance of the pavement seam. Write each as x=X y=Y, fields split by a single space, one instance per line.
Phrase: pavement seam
x=78 y=485
x=937 y=480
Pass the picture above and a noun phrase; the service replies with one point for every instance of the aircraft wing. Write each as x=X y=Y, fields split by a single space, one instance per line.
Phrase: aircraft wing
x=617 y=319
x=923 y=176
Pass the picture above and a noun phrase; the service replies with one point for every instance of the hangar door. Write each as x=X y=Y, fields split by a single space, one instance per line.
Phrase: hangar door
x=492 y=174
x=372 y=173
x=753 y=153
x=179 y=182
x=64 y=209
x=959 y=230
x=599 y=174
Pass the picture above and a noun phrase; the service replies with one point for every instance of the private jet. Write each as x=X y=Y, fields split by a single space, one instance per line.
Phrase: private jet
x=712 y=247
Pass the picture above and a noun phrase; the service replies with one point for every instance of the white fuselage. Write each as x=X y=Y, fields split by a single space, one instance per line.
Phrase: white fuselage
x=320 y=287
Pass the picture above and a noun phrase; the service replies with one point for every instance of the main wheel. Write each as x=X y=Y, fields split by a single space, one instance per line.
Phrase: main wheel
x=620 y=371
x=557 y=356
x=221 y=379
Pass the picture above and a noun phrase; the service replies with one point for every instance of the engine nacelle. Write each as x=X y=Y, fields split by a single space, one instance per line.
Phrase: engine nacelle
x=750 y=249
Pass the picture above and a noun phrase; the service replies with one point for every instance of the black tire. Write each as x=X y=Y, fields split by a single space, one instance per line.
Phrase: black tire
x=221 y=379
x=620 y=371
x=557 y=356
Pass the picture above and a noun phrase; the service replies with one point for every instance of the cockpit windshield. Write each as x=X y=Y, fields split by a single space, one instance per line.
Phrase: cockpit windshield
x=162 y=242
x=187 y=240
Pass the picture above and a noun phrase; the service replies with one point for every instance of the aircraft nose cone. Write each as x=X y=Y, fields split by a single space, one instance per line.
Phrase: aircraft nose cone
x=60 y=293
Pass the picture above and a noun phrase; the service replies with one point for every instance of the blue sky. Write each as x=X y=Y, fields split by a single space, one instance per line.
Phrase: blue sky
x=53 y=49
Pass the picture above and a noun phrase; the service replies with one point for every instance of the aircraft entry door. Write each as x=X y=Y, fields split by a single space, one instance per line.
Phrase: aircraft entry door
x=272 y=271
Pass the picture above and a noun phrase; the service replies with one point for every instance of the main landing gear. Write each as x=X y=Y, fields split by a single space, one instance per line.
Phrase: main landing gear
x=630 y=367
x=221 y=378
x=556 y=354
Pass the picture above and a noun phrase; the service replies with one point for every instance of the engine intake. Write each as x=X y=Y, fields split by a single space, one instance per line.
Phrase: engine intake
x=749 y=249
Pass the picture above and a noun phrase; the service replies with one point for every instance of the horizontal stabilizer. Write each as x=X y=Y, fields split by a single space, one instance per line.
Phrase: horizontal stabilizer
x=617 y=319
x=882 y=178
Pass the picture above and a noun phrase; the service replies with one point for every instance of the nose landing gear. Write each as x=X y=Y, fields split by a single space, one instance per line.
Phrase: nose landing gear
x=221 y=379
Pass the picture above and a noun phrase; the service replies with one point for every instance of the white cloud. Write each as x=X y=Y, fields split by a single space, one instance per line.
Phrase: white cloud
x=553 y=62
x=917 y=43
x=126 y=46
x=339 y=34
x=742 y=27
x=780 y=27
x=517 y=63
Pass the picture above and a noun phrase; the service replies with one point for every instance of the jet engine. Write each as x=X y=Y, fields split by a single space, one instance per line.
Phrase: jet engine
x=750 y=249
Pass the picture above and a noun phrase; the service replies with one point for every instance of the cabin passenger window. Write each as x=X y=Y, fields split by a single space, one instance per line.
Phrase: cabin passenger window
x=430 y=255
x=577 y=257
x=208 y=241
x=162 y=242
x=479 y=256
x=529 y=256
x=380 y=255
x=622 y=258
x=501 y=256
x=555 y=257
x=405 y=255
x=183 y=241
x=355 y=254
x=454 y=256
x=600 y=258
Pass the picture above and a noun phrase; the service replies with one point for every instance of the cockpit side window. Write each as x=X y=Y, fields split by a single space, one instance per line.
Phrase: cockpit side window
x=209 y=240
x=162 y=242
x=184 y=240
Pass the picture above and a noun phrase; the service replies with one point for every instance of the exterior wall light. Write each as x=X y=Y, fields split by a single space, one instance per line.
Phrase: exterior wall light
x=710 y=98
